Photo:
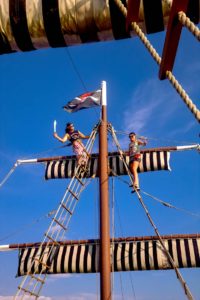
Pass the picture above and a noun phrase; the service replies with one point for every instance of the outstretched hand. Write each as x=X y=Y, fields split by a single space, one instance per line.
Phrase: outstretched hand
x=145 y=142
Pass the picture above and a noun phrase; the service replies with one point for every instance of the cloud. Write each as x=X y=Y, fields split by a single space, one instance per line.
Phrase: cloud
x=145 y=100
x=55 y=277
x=153 y=107
x=151 y=104
x=87 y=296
x=184 y=130
x=79 y=296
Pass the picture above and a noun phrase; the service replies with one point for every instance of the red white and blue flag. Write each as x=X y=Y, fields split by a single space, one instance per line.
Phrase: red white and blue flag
x=83 y=101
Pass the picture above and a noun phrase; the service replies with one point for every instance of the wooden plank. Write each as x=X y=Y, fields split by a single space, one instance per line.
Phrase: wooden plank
x=115 y=240
x=132 y=13
x=172 y=37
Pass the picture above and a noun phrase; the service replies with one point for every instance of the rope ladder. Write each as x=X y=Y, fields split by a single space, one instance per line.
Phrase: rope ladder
x=32 y=283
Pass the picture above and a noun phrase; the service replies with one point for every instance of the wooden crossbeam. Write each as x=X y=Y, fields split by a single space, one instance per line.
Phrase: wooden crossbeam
x=28 y=292
x=132 y=13
x=172 y=37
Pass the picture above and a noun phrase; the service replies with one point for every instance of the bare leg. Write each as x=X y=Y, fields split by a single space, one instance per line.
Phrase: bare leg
x=79 y=158
x=133 y=168
x=81 y=153
x=82 y=161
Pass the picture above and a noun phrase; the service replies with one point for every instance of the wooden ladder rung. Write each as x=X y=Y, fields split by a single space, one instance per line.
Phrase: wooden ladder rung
x=60 y=224
x=38 y=279
x=50 y=238
x=79 y=180
x=67 y=209
x=73 y=194
x=41 y=262
x=28 y=292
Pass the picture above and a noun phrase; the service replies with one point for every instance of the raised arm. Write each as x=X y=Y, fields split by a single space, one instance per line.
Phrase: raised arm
x=82 y=136
x=142 y=142
x=63 y=139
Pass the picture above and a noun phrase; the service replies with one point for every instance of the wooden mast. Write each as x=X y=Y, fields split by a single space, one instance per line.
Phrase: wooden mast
x=105 y=278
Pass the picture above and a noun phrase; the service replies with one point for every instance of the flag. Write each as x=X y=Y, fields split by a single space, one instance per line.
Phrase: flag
x=83 y=101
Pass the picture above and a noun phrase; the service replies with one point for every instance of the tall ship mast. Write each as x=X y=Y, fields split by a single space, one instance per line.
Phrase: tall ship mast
x=26 y=26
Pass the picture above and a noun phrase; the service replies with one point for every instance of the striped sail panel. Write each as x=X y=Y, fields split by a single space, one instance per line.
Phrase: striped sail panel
x=126 y=256
x=33 y=24
x=151 y=161
x=19 y=26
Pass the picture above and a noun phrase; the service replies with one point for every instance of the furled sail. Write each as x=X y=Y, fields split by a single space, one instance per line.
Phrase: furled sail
x=130 y=254
x=34 y=24
x=151 y=161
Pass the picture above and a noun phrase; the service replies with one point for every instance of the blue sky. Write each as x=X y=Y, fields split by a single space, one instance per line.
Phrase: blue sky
x=33 y=88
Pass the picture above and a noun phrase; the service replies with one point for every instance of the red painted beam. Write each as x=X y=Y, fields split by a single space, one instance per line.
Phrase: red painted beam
x=172 y=37
x=132 y=13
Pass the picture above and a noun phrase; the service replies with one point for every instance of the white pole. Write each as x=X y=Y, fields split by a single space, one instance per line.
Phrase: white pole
x=190 y=147
x=104 y=94
x=27 y=161
x=5 y=248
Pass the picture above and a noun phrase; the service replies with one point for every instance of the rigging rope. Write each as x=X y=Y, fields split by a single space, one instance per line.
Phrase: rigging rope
x=112 y=232
x=76 y=70
x=63 y=219
x=157 y=58
x=179 y=276
x=49 y=214
x=164 y=203
x=183 y=95
x=9 y=174
x=121 y=285
x=45 y=151
x=112 y=244
x=171 y=206
x=97 y=227
x=78 y=74
x=185 y=21
x=17 y=163
x=155 y=139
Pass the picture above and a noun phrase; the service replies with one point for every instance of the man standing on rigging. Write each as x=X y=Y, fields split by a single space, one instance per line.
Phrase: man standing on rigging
x=75 y=136
x=135 y=157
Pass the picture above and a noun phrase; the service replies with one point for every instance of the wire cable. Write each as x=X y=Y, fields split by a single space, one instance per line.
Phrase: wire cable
x=78 y=74
x=166 y=204
x=76 y=69
x=156 y=139
x=170 y=205
x=24 y=227
x=113 y=204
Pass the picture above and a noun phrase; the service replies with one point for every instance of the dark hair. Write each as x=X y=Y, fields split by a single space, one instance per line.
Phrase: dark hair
x=67 y=127
x=131 y=133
